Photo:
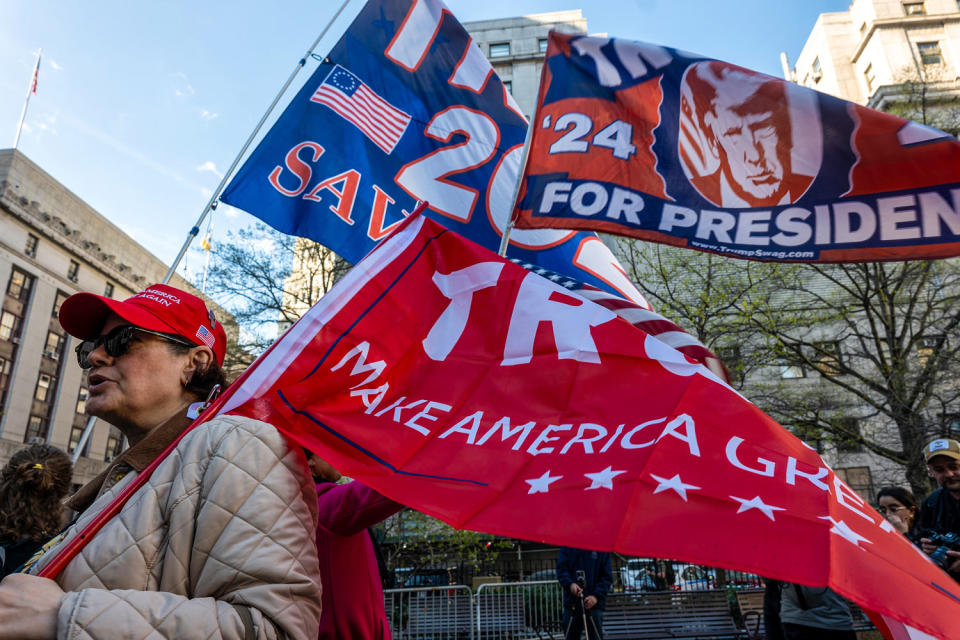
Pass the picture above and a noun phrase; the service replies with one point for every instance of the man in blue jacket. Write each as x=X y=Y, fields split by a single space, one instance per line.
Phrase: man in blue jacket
x=586 y=601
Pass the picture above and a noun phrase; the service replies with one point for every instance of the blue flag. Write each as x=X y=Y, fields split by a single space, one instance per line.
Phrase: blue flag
x=406 y=108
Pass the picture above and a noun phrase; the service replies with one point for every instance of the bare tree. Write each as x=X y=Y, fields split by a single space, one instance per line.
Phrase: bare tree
x=267 y=280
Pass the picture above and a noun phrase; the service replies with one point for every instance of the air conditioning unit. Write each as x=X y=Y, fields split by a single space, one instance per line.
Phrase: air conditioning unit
x=37 y=440
x=816 y=76
x=53 y=355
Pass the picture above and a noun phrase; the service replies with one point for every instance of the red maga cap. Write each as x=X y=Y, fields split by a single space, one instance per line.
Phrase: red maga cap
x=159 y=307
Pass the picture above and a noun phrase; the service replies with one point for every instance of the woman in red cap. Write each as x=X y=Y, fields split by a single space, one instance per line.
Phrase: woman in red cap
x=219 y=541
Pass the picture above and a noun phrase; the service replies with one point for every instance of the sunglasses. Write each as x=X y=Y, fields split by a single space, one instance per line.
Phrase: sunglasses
x=117 y=342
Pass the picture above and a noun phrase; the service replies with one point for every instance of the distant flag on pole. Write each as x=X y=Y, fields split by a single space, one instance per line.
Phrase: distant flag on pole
x=357 y=103
x=36 y=74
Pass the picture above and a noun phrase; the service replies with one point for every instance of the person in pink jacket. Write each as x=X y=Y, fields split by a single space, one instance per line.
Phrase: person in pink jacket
x=352 y=598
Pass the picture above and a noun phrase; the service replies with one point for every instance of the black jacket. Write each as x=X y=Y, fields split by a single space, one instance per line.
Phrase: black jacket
x=597 y=571
x=941 y=512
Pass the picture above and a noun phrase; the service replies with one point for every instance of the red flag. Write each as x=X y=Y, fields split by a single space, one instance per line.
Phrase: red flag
x=36 y=74
x=489 y=397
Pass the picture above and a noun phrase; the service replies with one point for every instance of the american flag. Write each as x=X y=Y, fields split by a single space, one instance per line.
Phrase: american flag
x=36 y=75
x=644 y=319
x=354 y=101
x=205 y=336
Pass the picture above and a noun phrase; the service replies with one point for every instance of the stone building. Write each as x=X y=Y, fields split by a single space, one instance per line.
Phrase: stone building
x=515 y=48
x=53 y=244
x=892 y=55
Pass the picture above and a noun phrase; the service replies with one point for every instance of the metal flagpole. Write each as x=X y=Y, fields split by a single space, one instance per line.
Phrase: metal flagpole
x=505 y=239
x=212 y=204
x=30 y=90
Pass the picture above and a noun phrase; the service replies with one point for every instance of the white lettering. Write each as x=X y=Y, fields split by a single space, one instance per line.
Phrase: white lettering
x=586 y=443
x=570 y=318
x=793 y=231
x=360 y=366
x=934 y=208
x=626 y=442
x=459 y=286
x=843 y=224
x=814 y=479
x=753 y=222
x=555 y=193
x=425 y=415
x=845 y=493
x=716 y=223
x=673 y=216
x=733 y=444
x=579 y=196
x=625 y=204
x=894 y=212
x=689 y=435
x=544 y=437
x=503 y=425
x=473 y=420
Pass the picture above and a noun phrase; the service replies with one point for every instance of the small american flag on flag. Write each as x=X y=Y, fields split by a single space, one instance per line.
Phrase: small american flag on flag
x=354 y=101
x=647 y=320
x=205 y=336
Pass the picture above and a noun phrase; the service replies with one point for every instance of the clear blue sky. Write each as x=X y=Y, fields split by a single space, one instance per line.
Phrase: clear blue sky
x=141 y=104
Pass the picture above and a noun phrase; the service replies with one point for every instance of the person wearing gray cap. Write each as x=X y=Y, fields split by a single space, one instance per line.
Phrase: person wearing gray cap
x=940 y=511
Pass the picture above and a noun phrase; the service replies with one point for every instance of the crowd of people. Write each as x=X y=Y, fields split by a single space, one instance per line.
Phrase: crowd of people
x=231 y=531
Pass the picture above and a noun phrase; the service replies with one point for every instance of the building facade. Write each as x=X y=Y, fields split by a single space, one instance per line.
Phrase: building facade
x=52 y=245
x=894 y=55
x=516 y=46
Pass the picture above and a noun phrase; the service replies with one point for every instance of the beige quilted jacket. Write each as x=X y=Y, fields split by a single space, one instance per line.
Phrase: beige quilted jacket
x=219 y=540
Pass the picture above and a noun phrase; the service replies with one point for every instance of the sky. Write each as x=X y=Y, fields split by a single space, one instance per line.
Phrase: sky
x=142 y=106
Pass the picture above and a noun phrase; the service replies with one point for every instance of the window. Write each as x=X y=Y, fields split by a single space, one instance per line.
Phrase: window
x=863 y=28
x=791 y=371
x=812 y=435
x=846 y=435
x=733 y=360
x=61 y=296
x=817 y=73
x=82 y=400
x=500 y=50
x=73 y=271
x=870 y=77
x=36 y=430
x=53 y=348
x=929 y=52
x=114 y=444
x=76 y=432
x=914 y=9
x=9 y=326
x=20 y=285
x=951 y=425
x=827 y=357
x=5 y=367
x=542 y=45
x=31 y=248
x=858 y=479
x=108 y=290
x=508 y=85
x=927 y=346
x=44 y=382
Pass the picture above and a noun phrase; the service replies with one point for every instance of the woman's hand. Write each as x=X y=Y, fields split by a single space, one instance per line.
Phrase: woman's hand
x=28 y=607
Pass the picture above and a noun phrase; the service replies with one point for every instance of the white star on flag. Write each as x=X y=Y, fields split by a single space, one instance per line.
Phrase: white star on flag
x=602 y=479
x=674 y=483
x=541 y=484
x=757 y=503
x=843 y=530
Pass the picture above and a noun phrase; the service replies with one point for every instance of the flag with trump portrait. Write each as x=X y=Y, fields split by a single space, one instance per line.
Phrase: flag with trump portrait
x=668 y=146
x=498 y=400
x=405 y=108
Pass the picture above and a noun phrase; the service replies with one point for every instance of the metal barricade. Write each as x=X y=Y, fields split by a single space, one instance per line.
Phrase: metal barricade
x=512 y=610
x=430 y=613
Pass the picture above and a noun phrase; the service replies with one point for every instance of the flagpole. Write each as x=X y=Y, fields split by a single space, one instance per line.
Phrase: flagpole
x=212 y=203
x=505 y=239
x=30 y=90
